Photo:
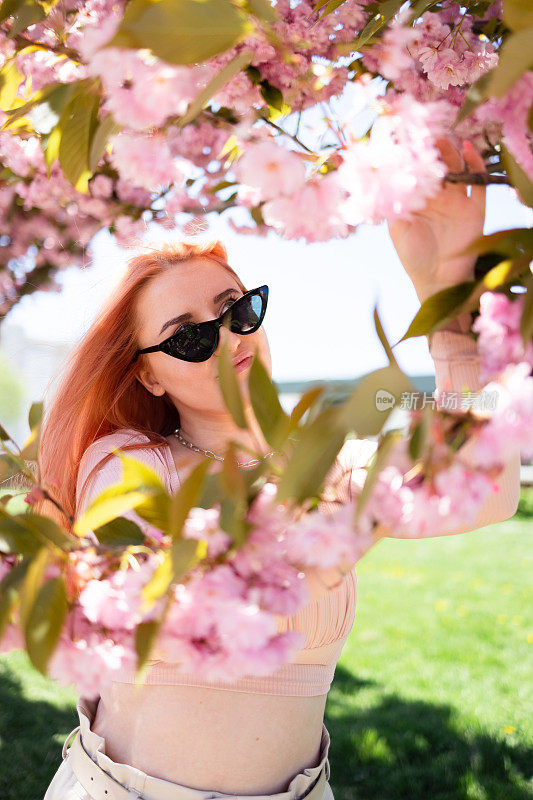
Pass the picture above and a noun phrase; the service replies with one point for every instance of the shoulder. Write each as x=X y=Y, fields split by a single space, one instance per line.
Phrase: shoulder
x=92 y=477
x=106 y=445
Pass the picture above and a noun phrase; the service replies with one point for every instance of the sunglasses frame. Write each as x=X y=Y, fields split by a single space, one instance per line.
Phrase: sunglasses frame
x=166 y=344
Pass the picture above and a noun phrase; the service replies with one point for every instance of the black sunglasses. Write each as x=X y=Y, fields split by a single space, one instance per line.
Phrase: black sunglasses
x=197 y=341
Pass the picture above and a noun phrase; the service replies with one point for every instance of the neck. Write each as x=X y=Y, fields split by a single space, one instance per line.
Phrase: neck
x=214 y=433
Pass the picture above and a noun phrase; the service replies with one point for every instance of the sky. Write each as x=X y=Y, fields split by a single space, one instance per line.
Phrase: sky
x=321 y=299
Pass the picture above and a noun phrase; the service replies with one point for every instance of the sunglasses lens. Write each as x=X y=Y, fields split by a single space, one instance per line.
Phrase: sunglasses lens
x=195 y=342
x=246 y=315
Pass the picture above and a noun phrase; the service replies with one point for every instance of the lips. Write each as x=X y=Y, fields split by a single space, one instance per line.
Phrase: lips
x=241 y=358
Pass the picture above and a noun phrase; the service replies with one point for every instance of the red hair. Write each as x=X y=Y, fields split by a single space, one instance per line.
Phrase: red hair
x=99 y=392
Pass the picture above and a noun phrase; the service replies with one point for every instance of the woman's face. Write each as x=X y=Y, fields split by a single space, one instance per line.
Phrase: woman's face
x=190 y=287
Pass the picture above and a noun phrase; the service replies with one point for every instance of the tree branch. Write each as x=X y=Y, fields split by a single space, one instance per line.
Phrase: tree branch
x=476 y=178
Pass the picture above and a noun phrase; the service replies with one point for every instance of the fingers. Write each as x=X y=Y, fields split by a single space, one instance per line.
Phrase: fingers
x=453 y=159
x=450 y=155
x=475 y=163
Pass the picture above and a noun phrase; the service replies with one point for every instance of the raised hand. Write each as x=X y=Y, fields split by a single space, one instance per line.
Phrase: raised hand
x=428 y=243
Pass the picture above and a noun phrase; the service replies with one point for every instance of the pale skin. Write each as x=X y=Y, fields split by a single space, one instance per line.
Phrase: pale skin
x=217 y=739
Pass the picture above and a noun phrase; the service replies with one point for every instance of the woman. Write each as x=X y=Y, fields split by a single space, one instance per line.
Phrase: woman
x=177 y=737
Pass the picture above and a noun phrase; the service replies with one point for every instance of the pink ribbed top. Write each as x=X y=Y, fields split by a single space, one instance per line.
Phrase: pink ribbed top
x=326 y=621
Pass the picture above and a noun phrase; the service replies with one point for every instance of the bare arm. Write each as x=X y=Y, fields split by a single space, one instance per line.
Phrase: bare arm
x=457 y=369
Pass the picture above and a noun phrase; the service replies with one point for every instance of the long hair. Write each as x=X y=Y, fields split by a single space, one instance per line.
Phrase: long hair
x=99 y=393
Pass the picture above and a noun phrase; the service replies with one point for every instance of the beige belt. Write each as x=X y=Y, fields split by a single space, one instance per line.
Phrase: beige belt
x=101 y=786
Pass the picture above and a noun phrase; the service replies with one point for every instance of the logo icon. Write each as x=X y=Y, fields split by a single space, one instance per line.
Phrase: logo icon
x=384 y=400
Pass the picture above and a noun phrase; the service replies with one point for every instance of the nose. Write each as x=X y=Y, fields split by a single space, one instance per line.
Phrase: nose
x=226 y=335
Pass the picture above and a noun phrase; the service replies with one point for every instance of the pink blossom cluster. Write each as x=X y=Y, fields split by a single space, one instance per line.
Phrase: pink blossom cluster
x=392 y=173
x=397 y=168
x=215 y=629
x=500 y=341
x=326 y=540
x=442 y=46
x=50 y=223
x=222 y=623
x=511 y=112
x=510 y=427
x=414 y=505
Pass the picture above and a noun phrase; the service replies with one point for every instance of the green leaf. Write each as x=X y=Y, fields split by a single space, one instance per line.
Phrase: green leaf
x=107 y=506
x=155 y=509
x=158 y=583
x=232 y=520
x=440 y=307
x=48 y=531
x=107 y=128
x=382 y=338
x=378 y=462
x=57 y=102
x=367 y=408
x=257 y=216
x=263 y=10
x=221 y=185
x=186 y=498
x=9 y=592
x=517 y=175
x=138 y=487
x=515 y=58
x=254 y=74
x=526 y=323
x=24 y=12
x=185 y=555
x=32 y=583
x=76 y=125
x=272 y=95
x=145 y=639
x=514 y=242
x=518 y=14
x=181 y=31
x=4 y=435
x=230 y=388
x=41 y=96
x=10 y=80
x=35 y=414
x=419 y=434
x=317 y=6
x=231 y=476
x=475 y=95
x=16 y=462
x=211 y=491
x=51 y=149
x=234 y=503
x=331 y=5
x=45 y=622
x=305 y=403
x=136 y=473
x=501 y=274
x=9 y=7
x=315 y=451
x=419 y=7
x=120 y=532
x=215 y=85
x=269 y=413
x=16 y=536
x=376 y=22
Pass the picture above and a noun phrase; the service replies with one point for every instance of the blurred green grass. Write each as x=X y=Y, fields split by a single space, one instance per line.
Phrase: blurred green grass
x=432 y=697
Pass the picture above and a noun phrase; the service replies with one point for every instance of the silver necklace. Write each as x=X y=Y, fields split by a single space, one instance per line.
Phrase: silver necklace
x=253 y=463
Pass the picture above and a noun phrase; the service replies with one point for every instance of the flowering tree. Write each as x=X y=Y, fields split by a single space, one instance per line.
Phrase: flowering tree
x=118 y=113
x=115 y=114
